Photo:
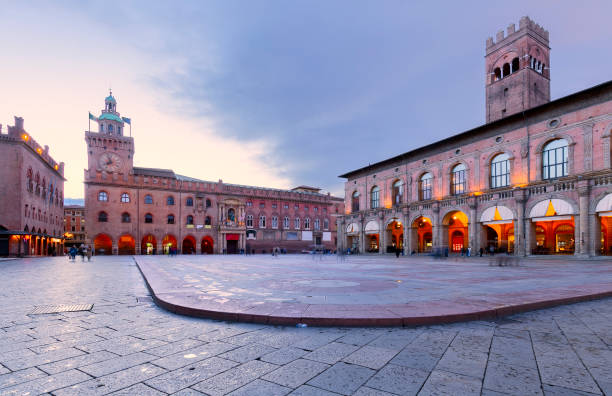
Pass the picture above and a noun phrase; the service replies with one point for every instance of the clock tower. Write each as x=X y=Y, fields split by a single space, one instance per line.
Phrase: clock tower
x=108 y=150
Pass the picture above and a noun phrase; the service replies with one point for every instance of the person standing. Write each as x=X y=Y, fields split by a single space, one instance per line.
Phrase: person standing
x=89 y=249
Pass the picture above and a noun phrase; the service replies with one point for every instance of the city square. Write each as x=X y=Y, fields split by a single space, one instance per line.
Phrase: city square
x=305 y=198
x=127 y=345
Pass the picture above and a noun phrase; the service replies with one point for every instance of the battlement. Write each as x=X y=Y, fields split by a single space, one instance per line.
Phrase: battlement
x=525 y=25
x=18 y=133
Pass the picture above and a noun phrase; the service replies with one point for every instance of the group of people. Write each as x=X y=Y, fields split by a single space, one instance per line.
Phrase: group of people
x=83 y=251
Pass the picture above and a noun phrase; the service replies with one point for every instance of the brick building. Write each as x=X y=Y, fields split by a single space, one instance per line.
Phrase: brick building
x=535 y=179
x=31 y=196
x=74 y=225
x=134 y=210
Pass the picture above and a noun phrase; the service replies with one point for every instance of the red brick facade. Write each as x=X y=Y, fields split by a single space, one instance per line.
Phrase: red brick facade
x=536 y=179
x=31 y=197
x=74 y=225
x=132 y=210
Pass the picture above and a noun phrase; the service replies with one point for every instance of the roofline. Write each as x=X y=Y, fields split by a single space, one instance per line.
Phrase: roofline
x=492 y=125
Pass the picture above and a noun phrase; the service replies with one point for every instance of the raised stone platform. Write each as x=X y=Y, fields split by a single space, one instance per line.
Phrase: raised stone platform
x=366 y=290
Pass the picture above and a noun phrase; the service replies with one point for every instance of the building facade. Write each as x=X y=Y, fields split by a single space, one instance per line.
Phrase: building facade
x=31 y=196
x=535 y=179
x=74 y=226
x=134 y=210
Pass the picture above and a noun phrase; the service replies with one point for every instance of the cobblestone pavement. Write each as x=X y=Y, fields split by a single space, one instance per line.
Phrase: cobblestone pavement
x=128 y=346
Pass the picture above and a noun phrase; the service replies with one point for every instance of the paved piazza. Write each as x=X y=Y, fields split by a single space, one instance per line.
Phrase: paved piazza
x=367 y=290
x=127 y=345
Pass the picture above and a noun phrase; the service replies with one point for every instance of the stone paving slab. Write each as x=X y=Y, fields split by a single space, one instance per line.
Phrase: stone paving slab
x=560 y=351
x=366 y=290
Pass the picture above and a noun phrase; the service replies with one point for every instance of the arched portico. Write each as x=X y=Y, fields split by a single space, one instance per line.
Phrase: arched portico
x=169 y=244
x=126 y=245
x=602 y=227
x=552 y=229
x=455 y=231
x=149 y=244
x=422 y=235
x=103 y=245
x=189 y=245
x=372 y=232
x=352 y=236
x=394 y=237
x=497 y=229
x=207 y=245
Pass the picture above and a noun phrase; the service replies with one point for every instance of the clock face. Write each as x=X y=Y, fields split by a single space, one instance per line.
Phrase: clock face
x=110 y=162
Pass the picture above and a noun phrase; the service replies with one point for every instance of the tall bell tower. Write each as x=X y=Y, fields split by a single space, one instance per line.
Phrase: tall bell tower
x=517 y=68
x=109 y=150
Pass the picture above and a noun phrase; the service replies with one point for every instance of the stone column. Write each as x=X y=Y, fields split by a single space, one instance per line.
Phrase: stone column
x=585 y=240
x=529 y=237
x=382 y=235
x=362 y=235
x=520 y=245
x=115 y=248
x=473 y=225
x=160 y=247
x=407 y=232
x=137 y=247
x=436 y=234
x=595 y=235
x=198 y=246
x=341 y=234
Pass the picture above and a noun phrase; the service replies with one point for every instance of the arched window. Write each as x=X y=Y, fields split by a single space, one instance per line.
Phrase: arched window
x=208 y=203
x=208 y=221
x=102 y=217
x=307 y=223
x=110 y=128
x=374 y=199
x=189 y=219
x=102 y=196
x=326 y=224
x=44 y=188
x=506 y=70
x=148 y=199
x=189 y=201
x=37 y=183
x=262 y=221
x=458 y=180
x=125 y=198
x=125 y=218
x=249 y=221
x=274 y=222
x=397 y=192
x=29 y=177
x=500 y=171
x=286 y=222
x=170 y=219
x=296 y=223
x=554 y=159
x=425 y=187
x=317 y=224
x=355 y=202
x=148 y=218
x=515 y=65
x=497 y=74
x=170 y=201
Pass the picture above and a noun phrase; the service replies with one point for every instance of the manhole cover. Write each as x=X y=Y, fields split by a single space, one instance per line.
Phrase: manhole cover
x=48 y=309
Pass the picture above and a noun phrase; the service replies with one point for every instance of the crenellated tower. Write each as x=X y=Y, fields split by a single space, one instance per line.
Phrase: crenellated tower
x=517 y=66
x=108 y=150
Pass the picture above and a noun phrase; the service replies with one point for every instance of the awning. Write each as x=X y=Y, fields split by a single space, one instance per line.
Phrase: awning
x=372 y=227
x=497 y=215
x=232 y=237
x=551 y=207
x=605 y=204
x=352 y=228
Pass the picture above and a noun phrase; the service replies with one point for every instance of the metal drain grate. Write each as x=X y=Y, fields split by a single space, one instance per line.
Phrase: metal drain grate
x=48 y=309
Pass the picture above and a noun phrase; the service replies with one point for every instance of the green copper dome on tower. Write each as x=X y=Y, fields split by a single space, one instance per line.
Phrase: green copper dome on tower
x=110 y=98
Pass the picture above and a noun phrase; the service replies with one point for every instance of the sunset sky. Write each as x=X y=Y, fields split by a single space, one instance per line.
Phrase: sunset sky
x=272 y=93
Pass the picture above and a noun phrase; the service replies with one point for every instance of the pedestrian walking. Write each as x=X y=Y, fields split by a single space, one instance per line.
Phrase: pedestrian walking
x=72 y=252
x=481 y=251
x=397 y=252
x=89 y=252
x=469 y=252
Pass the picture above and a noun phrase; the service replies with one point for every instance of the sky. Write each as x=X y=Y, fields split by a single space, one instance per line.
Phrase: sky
x=272 y=93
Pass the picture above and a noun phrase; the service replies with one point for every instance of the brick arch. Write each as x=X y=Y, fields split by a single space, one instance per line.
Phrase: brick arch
x=417 y=180
x=595 y=200
x=463 y=208
x=571 y=143
x=429 y=215
x=499 y=64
